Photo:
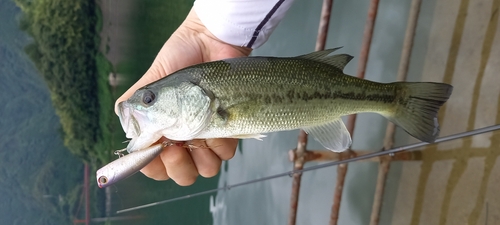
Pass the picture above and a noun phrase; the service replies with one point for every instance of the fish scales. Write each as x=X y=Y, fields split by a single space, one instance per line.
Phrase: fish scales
x=270 y=94
x=245 y=97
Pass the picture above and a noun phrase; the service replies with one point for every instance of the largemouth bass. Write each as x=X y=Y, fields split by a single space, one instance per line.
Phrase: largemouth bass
x=246 y=97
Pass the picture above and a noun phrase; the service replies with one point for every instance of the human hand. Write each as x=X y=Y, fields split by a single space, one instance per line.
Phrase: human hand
x=190 y=44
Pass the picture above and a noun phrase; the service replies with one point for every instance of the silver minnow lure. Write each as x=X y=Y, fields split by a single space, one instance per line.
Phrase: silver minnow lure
x=127 y=165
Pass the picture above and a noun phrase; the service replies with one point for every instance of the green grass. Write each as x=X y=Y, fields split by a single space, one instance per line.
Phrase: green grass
x=104 y=142
x=108 y=122
x=99 y=22
x=105 y=97
x=111 y=132
x=107 y=119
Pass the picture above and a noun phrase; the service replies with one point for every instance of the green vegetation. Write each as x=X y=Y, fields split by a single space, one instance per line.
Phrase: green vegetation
x=108 y=123
x=39 y=177
x=107 y=119
x=63 y=51
x=59 y=201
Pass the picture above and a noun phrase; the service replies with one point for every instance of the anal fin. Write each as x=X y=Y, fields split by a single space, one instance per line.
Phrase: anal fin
x=333 y=136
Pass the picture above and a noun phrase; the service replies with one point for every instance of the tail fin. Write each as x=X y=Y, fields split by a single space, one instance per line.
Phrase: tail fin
x=417 y=115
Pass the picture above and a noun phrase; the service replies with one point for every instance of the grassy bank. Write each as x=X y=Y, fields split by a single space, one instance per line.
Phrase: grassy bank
x=64 y=48
x=65 y=52
x=106 y=115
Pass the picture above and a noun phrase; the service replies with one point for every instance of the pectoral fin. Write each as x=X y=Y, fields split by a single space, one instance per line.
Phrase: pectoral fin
x=333 y=136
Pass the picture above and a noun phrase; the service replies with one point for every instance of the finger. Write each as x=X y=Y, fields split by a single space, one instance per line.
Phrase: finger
x=206 y=161
x=155 y=170
x=223 y=147
x=179 y=165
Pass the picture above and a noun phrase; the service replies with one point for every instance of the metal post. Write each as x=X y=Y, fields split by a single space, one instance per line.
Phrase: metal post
x=86 y=189
x=297 y=165
x=389 y=135
x=302 y=140
x=327 y=155
x=363 y=59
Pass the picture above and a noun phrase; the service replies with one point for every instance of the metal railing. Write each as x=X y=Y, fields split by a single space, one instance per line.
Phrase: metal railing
x=300 y=156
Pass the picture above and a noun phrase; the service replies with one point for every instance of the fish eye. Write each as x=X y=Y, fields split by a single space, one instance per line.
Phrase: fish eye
x=148 y=97
x=103 y=180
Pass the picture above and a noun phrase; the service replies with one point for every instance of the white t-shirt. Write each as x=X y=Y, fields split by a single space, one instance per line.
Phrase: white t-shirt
x=246 y=23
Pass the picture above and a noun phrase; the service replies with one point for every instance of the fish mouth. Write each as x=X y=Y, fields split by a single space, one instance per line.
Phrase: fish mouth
x=132 y=120
x=128 y=121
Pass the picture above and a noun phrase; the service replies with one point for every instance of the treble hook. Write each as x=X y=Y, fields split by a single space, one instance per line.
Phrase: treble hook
x=119 y=152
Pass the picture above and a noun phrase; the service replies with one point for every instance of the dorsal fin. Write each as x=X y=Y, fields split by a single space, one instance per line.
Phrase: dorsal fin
x=339 y=61
x=318 y=54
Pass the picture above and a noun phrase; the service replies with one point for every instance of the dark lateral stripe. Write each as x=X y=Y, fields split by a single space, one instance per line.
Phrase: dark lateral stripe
x=263 y=22
x=292 y=96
